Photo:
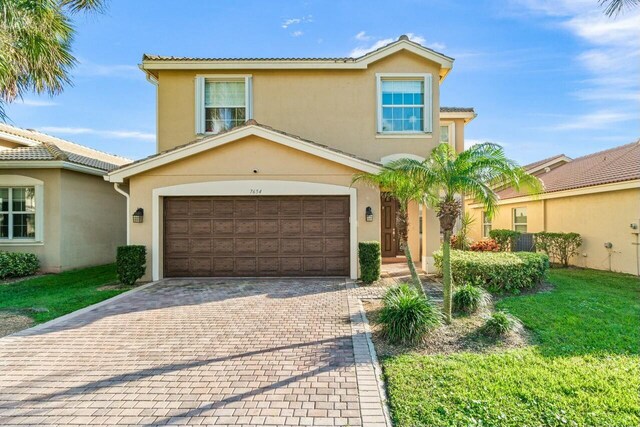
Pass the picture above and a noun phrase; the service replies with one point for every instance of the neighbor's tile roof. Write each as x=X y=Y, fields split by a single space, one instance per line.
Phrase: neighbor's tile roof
x=542 y=162
x=457 y=110
x=251 y=122
x=47 y=147
x=605 y=167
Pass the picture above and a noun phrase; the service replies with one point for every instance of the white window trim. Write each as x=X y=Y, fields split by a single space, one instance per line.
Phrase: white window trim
x=248 y=187
x=428 y=102
x=25 y=181
x=200 y=82
x=513 y=218
x=452 y=133
x=485 y=224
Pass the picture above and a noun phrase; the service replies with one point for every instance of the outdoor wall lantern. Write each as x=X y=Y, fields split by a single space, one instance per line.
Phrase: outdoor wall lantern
x=368 y=213
x=138 y=215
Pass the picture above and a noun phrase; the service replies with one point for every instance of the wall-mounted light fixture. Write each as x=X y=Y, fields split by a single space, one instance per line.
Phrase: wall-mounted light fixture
x=138 y=215
x=368 y=214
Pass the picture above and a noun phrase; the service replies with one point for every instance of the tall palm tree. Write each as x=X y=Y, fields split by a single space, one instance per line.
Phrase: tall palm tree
x=477 y=172
x=35 y=45
x=400 y=186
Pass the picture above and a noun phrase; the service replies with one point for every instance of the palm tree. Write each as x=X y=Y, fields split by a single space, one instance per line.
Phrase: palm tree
x=400 y=186
x=477 y=172
x=35 y=46
x=614 y=7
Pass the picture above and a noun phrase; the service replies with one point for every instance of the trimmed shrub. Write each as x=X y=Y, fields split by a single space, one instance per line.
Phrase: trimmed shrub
x=487 y=245
x=18 y=264
x=131 y=263
x=370 y=260
x=506 y=239
x=496 y=271
x=468 y=299
x=499 y=324
x=559 y=246
x=407 y=316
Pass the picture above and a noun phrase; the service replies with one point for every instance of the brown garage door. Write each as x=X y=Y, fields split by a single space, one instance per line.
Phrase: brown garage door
x=256 y=236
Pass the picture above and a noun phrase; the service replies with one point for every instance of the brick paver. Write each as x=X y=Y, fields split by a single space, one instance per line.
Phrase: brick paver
x=198 y=352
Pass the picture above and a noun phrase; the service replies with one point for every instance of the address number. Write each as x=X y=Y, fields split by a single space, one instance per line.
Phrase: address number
x=255 y=191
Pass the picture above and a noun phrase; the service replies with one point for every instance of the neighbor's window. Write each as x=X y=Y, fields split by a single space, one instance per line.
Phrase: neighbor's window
x=444 y=134
x=520 y=219
x=17 y=213
x=222 y=102
x=486 y=224
x=404 y=104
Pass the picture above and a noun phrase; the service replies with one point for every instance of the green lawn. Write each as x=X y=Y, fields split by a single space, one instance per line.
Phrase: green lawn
x=47 y=297
x=584 y=369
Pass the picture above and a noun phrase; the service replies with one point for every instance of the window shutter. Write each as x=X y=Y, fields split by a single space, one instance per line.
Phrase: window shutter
x=249 y=99
x=428 y=111
x=199 y=110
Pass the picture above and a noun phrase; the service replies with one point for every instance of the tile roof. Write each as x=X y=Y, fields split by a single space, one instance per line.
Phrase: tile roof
x=250 y=122
x=542 y=162
x=605 y=167
x=46 y=147
x=457 y=110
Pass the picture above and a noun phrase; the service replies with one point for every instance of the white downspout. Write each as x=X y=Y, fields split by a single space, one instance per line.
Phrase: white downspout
x=116 y=186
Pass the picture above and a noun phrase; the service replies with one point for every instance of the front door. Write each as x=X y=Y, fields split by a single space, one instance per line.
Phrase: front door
x=390 y=243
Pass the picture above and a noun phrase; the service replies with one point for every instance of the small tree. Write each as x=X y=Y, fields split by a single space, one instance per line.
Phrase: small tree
x=461 y=238
x=477 y=172
x=559 y=246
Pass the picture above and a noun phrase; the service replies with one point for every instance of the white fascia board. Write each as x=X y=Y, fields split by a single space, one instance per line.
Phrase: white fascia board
x=48 y=164
x=18 y=139
x=234 y=135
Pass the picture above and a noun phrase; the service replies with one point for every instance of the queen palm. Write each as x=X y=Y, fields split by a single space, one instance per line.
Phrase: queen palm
x=404 y=189
x=444 y=176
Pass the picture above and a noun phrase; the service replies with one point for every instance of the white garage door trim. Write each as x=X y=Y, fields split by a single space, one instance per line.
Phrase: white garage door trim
x=254 y=188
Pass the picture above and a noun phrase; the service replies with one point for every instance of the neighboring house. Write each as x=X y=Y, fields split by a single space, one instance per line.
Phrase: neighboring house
x=256 y=158
x=55 y=203
x=597 y=195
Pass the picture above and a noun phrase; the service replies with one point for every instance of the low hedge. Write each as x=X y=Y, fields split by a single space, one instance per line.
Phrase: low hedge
x=17 y=264
x=506 y=239
x=496 y=271
x=131 y=263
x=370 y=259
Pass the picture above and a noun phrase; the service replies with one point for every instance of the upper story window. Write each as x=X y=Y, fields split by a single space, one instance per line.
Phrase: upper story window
x=404 y=103
x=17 y=213
x=222 y=102
x=520 y=219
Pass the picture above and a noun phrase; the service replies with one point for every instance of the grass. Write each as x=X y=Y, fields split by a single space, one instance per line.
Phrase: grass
x=46 y=297
x=583 y=369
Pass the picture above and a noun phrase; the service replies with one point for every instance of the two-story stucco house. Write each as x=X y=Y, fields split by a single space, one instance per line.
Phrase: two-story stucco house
x=255 y=159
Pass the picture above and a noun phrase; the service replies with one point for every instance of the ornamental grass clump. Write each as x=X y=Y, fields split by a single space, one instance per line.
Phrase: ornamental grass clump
x=499 y=324
x=407 y=315
x=468 y=299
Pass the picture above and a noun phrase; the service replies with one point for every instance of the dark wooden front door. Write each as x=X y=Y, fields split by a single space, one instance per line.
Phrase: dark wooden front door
x=390 y=243
x=256 y=236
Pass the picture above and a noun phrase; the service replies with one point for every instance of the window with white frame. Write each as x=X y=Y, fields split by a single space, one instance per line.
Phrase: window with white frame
x=404 y=103
x=222 y=103
x=447 y=135
x=17 y=213
x=486 y=224
x=520 y=219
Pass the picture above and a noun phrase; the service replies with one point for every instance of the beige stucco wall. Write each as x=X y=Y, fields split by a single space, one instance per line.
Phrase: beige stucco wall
x=598 y=217
x=93 y=220
x=236 y=161
x=84 y=220
x=332 y=107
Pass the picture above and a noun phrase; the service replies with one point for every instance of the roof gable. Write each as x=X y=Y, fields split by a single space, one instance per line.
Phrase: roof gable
x=248 y=129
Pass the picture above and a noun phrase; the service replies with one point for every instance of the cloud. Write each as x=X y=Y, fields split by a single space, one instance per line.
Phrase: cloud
x=362 y=36
x=597 y=120
x=295 y=21
x=363 y=50
x=35 y=103
x=118 y=134
x=611 y=53
x=297 y=33
x=90 y=69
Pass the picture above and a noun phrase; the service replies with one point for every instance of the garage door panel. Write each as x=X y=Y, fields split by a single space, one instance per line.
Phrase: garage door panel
x=256 y=236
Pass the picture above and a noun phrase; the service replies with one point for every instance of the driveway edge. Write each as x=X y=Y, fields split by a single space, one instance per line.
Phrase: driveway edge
x=373 y=398
x=73 y=314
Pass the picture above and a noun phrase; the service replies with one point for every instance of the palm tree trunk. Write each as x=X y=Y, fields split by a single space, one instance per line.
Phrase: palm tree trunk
x=446 y=276
x=402 y=226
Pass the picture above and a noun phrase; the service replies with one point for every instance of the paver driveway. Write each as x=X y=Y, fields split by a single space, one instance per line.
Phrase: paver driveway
x=216 y=352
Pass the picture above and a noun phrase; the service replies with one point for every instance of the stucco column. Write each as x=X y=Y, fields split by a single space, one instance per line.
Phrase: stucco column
x=430 y=238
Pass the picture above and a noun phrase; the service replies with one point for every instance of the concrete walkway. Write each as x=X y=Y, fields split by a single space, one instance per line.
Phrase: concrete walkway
x=200 y=352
